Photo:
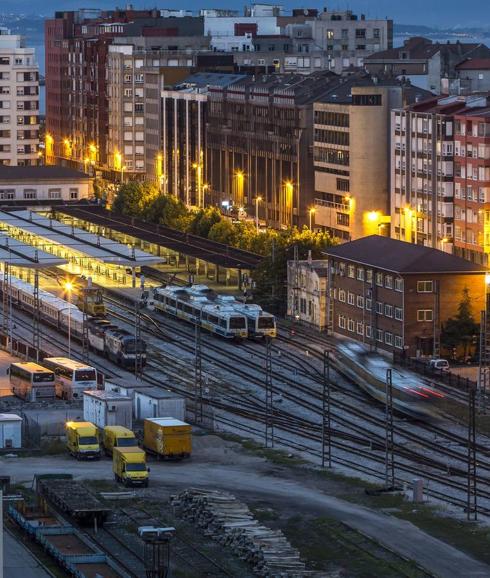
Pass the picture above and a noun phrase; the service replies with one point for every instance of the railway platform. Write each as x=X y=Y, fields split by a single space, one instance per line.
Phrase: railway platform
x=19 y=562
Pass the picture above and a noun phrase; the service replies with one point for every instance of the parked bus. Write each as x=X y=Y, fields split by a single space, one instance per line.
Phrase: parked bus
x=31 y=381
x=72 y=377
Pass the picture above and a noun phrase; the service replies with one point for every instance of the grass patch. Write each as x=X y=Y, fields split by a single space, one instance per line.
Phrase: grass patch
x=330 y=546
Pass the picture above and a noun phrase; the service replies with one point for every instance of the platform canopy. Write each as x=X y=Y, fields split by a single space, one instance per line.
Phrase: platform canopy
x=19 y=254
x=46 y=233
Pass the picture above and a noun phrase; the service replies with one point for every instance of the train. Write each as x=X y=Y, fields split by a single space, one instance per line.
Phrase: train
x=221 y=315
x=368 y=370
x=118 y=345
x=121 y=347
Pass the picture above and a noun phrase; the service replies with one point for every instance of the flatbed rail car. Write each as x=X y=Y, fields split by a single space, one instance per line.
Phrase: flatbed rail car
x=189 y=304
x=74 y=499
x=368 y=371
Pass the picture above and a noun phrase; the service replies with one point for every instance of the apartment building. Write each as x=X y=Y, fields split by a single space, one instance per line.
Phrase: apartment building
x=259 y=138
x=395 y=296
x=425 y=178
x=19 y=102
x=472 y=181
x=429 y=65
x=352 y=180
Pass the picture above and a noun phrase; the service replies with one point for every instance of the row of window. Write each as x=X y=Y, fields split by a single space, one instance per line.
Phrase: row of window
x=29 y=194
x=366 y=303
x=366 y=330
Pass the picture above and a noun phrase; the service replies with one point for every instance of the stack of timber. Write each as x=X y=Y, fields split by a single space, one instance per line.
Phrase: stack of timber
x=231 y=523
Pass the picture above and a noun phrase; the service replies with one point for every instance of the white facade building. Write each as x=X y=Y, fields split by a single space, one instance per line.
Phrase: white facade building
x=307 y=292
x=10 y=431
x=19 y=102
x=42 y=183
x=103 y=408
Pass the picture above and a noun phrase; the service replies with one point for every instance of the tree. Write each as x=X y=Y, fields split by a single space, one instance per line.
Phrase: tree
x=224 y=231
x=203 y=220
x=134 y=198
x=461 y=330
x=167 y=210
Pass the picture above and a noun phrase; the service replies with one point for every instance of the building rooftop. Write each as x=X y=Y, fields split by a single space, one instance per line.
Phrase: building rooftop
x=158 y=393
x=202 y=80
x=402 y=257
x=48 y=173
x=107 y=395
x=474 y=64
x=461 y=104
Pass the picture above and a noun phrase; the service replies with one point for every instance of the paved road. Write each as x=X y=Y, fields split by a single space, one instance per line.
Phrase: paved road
x=255 y=479
x=19 y=562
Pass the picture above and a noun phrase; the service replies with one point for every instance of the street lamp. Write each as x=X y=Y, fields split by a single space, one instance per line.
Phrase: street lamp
x=311 y=211
x=257 y=201
x=69 y=289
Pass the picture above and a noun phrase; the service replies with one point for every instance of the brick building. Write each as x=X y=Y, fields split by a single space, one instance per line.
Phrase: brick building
x=395 y=296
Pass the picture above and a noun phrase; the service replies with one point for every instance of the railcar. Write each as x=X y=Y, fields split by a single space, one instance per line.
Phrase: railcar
x=190 y=304
x=368 y=370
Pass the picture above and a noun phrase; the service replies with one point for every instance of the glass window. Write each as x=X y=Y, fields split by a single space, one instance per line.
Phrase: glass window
x=424 y=315
x=342 y=321
x=379 y=308
x=350 y=325
x=379 y=279
x=388 y=310
x=379 y=335
x=398 y=284
x=398 y=342
x=351 y=271
x=360 y=301
x=388 y=338
x=350 y=298
x=369 y=276
x=360 y=274
x=368 y=331
x=360 y=328
x=368 y=304
x=342 y=295
x=398 y=313
x=389 y=282
x=424 y=286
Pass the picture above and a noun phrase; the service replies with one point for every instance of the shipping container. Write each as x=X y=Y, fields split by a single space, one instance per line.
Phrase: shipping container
x=154 y=401
x=106 y=408
x=10 y=431
x=168 y=437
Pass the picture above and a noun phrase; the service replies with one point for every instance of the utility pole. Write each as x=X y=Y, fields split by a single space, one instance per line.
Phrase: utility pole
x=326 y=432
x=389 y=445
x=36 y=318
x=269 y=402
x=138 y=357
x=471 y=506
x=198 y=402
x=85 y=342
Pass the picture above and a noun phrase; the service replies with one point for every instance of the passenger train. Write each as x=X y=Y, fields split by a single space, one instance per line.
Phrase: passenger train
x=368 y=370
x=121 y=347
x=118 y=345
x=191 y=304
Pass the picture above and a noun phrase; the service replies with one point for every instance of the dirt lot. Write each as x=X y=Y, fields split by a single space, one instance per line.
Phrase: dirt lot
x=338 y=529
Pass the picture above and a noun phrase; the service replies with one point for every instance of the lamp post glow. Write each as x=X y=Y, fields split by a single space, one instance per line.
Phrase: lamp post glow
x=257 y=201
x=311 y=211
x=69 y=289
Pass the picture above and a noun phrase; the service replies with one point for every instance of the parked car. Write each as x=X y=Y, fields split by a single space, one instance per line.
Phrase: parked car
x=439 y=364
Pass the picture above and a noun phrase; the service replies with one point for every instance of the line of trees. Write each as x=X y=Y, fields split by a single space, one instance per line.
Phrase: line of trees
x=145 y=201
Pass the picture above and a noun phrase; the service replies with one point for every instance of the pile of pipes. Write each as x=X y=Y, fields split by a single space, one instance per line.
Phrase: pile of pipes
x=231 y=523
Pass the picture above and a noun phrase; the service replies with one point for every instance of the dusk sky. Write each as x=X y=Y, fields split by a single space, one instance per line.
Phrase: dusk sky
x=431 y=12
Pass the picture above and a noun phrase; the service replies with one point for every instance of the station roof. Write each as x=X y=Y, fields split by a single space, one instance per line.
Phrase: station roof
x=93 y=246
x=19 y=254
x=184 y=243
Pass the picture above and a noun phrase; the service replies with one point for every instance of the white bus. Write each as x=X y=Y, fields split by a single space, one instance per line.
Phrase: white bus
x=72 y=377
x=31 y=381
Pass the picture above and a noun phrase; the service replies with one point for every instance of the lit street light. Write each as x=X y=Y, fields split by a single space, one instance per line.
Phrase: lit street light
x=311 y=211
x=69 y=288
x=257 y=201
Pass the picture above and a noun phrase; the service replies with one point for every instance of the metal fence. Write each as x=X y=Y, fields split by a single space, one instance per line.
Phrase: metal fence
x=448 y=377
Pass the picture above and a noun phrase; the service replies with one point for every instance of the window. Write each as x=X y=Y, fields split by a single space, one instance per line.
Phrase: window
x=379 y=279
x=342 y=295
x=369 y=276
x=360 y=274
x=424 y=315
x=398 y=313
x=424 y=287
x=360 y=328
x=360 y=301
x=369 y=332
x=368 y=304
x=379 y=335
x=7 y=194
x=342 y=321
x=73 y=194
x=388 y=338
x=54 y=194
x=388 y=310
x=379 y=308
x=351 y=271
x=398 y=284
x=398 y=342
x=350 y=298
x=350 y=325
x=30 y=193
x=389 y=282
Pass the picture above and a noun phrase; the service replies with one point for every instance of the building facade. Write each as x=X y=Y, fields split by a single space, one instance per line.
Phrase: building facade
x=395 y=296
x=42 y=185
x=352 y=179
x=307 y=292
x=259 y=138
x=19 y=102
